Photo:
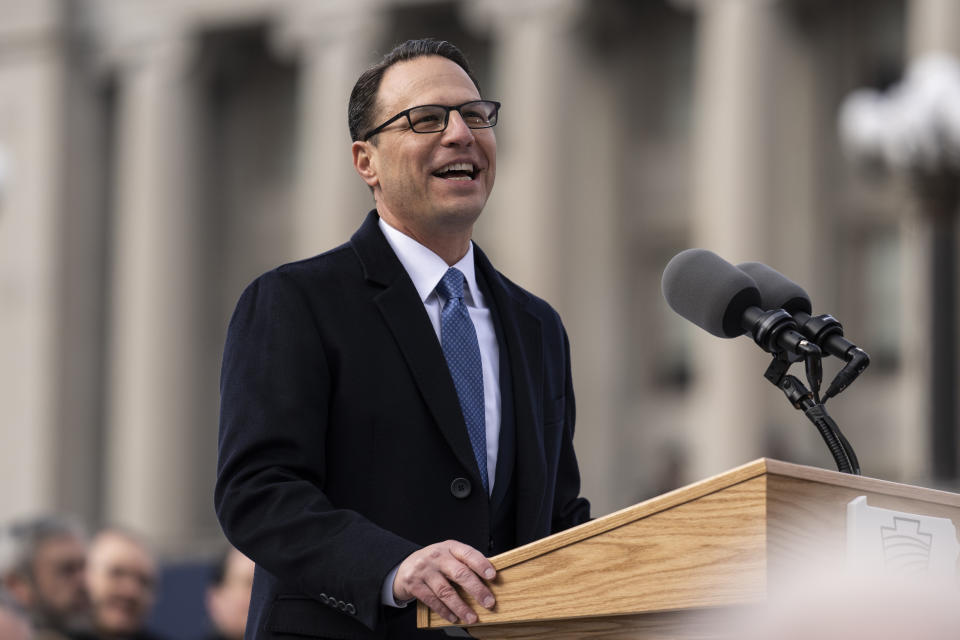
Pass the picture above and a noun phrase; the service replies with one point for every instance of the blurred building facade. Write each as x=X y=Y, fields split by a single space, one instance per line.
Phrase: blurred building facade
x=157 y=155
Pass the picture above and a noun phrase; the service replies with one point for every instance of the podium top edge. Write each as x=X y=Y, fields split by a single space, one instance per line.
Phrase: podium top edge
x=737 y=475
x=864 y=483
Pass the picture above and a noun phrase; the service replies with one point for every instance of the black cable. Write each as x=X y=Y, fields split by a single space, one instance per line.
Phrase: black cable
x=813 y=365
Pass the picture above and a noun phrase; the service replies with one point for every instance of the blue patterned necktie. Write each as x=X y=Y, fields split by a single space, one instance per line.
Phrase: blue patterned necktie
x=462 y=351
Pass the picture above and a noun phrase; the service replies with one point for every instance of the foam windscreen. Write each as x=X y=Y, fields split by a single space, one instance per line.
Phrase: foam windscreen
x=777 y=291
x=709 y=291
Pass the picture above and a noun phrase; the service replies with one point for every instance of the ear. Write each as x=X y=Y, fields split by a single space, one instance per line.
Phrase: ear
x=212 y=602
x=364 y=161
x=20 y=588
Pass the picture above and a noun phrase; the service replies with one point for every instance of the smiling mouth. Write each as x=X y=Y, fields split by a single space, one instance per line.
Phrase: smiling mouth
x=458 y=171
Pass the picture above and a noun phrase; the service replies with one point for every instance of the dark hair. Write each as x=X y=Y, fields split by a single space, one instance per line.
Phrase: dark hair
x=363 y=98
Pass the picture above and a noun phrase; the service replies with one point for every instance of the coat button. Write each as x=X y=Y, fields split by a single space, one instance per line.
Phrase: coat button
x=351 y=609
x=323 y=598
x=341 y=605
x=460 y=488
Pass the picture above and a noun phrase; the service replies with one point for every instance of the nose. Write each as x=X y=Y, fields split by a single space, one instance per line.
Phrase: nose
x=129 y=587
x=457 y=131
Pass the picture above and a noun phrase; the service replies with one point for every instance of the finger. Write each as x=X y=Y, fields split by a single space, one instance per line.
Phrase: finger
x=473 y=559
x=424 y=594
x=449 y=596
x=466 y=578
x=479 y=565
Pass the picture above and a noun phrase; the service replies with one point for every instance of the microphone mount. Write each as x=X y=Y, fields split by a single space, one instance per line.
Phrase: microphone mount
x=776 y=331
x=826 y=331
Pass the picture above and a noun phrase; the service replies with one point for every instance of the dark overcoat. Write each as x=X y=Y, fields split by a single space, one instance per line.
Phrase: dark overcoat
x=342 y=447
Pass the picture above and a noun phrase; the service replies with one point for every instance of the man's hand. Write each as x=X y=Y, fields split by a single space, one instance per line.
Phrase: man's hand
x=427 y=575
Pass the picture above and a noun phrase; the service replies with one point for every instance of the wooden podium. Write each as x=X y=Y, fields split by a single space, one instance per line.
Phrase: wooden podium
x=663 y=567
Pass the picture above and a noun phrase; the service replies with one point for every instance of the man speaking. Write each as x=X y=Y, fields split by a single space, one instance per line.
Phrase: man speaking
x=395 y=410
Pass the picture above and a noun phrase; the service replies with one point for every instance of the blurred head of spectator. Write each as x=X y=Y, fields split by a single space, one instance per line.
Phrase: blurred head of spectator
x=121 y=580
x=228 y=595
x=44 y=571
x=13 y=621
x=832 y=604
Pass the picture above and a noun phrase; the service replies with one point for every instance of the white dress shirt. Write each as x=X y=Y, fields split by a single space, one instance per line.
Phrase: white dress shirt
x=426 y=269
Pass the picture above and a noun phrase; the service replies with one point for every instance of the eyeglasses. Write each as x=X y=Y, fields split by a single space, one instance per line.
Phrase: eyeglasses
x=433 y=118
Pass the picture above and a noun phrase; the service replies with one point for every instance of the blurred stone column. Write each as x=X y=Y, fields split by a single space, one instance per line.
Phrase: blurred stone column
x=933 y=25
x=32 y=88
x=929 y=256
x=552 y=221
x=732 y=106
x=532 y=72
x=334 y=41
x=151 y=482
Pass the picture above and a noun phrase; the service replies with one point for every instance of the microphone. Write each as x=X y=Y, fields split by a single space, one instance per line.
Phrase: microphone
x=725 y=301
x=779 y=292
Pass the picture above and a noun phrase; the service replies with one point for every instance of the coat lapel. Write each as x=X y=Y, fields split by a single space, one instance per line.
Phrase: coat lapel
x=403 y=312
x=522 y=332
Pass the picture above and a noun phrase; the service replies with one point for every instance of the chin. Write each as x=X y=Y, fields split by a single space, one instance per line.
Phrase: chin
x=462 y=213
x=120 y=624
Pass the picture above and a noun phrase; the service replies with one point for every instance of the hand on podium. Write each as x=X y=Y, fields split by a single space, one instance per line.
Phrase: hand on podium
x=427 y=575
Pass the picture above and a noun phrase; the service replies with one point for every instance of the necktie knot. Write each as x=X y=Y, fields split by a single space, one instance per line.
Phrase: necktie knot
x=451 y=284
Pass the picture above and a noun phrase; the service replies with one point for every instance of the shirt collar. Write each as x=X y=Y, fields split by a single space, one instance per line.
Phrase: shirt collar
x=426 y=268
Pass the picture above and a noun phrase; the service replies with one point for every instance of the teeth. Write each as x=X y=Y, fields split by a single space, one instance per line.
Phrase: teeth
x=459 y=166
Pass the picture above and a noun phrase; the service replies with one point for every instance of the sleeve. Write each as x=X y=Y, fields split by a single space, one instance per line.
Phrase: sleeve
x=275 y=394
x=569 y=509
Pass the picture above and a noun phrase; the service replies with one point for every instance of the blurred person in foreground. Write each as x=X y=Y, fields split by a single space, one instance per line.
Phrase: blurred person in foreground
x=121 y=580
x=228 y=595
x=846 y=605
x=395 y=409
x=45 y=574
x=14 y=624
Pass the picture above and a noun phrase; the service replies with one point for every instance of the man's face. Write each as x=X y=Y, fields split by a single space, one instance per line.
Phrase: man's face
x=228 y=602
x=121 y=576
x=59 y=593
x=405 y=168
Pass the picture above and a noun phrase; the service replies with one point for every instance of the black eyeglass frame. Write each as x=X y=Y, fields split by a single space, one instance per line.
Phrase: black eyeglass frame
x=446 y=117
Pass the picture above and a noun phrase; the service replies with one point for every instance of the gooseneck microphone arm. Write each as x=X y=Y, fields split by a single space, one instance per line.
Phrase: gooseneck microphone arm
x=801 y=398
